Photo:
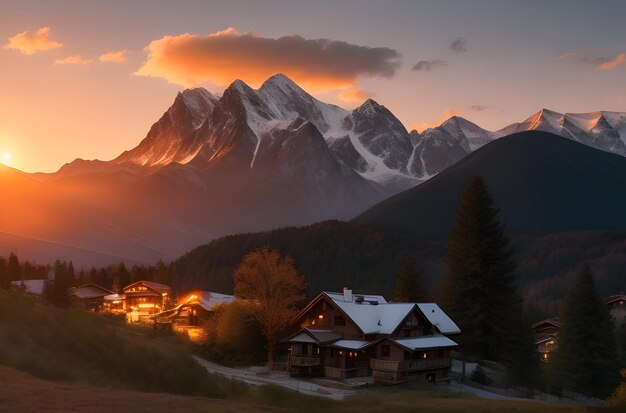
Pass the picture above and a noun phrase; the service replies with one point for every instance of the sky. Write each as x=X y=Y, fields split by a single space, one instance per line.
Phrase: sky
x=86 y=79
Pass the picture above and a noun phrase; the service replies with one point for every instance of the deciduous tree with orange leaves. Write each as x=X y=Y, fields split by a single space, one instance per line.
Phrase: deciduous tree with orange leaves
x=274 y=289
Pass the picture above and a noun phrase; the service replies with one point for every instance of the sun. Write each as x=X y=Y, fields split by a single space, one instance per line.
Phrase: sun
x=6 y=157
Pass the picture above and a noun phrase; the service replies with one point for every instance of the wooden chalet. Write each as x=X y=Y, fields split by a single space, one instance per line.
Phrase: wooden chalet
x=546 y=337
x=344 y=335
x=89 y=296
x=146 y=298
x=547 y=331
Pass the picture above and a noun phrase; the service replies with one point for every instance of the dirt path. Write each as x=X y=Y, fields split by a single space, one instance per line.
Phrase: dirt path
x=287 y=382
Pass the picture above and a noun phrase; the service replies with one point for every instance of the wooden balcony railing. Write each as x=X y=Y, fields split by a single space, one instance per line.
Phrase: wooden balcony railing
x=304 y=361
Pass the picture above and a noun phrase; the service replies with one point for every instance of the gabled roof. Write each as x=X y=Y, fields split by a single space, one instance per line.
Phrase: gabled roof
x=353 y=344
x=545 y=337
x=313 y=336
x=35 y=287
x=614 y=298
x=385 y=318
x=438 y=318
x=424 y=342
x=209 y=300
x=550 y=321
x=90 y=290
x=155 y=286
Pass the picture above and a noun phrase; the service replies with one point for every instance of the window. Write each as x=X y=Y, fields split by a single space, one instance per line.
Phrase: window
x=340 y=321
x=305 y=349
x=333 y=353
x=385 y=350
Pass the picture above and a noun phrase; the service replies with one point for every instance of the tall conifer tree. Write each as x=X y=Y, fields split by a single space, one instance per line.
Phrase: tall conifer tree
x=479 y=291
x=587 y=355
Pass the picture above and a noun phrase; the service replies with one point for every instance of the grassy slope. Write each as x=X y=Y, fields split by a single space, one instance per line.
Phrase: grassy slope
x=74 y=345
x=22 y=392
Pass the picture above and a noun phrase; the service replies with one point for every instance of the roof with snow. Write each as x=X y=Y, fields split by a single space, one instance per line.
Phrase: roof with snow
x=154 y=286
x=424 y=342
x=209 y=300
x=35 y=287
x=550 y=321
x=353 y=344
x=307 y=335
x=90 y=291
x=615 y=298
x=374 y=315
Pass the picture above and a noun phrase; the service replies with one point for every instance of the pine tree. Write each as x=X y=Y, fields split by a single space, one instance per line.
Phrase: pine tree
x=409 y=287
x=587 y=355
x=479 y=290
x=14 y=268
x=58 y=290
x=5 y=281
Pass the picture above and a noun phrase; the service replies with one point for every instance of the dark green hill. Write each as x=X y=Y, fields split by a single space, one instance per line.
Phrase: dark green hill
x=541 y=182
x=330 y=255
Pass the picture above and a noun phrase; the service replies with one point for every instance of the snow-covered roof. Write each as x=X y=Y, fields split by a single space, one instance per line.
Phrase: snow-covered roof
x=425 y=342
x=155 y=286
x=313 y=336
x=32 y=286
x=90 y=291
x=209 y=300
x=614 y=298
x=438 y=318
x=552 y=321
x=352 y=344
x=374 y=315
x=114 y=297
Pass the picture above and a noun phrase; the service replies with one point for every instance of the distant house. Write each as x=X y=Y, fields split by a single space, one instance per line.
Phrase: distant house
x=144 y=298
x=547 y=331
x=198 y=305
x=34 y=287
x=343 y=335
x=89 y=296
x=546 y=337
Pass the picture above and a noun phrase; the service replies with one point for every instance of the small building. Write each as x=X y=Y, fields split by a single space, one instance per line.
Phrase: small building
x=34 y=287
x=89 y=296
x=546 y=337
x=198 y=305
x=145 y=298
x=344 y=335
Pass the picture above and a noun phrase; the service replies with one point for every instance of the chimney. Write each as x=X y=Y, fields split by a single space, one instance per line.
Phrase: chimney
x=347 y=295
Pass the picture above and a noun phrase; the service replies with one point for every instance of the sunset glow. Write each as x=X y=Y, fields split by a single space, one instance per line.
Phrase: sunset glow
x=73 y=87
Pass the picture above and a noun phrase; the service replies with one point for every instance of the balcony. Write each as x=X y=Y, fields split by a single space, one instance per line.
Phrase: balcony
x=304 y=361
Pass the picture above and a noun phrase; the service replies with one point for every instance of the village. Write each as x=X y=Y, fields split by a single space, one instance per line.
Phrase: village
x=337 y=335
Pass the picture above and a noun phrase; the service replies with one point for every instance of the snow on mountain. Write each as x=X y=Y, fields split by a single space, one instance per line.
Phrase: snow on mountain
x=601 y=130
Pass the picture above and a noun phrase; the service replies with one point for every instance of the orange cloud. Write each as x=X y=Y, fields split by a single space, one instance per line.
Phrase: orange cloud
x=73 y=60
x=118 y=56
x=609 y=64
x=318 y=64
x=28 y=43
x=447 y=114
x=354 y=95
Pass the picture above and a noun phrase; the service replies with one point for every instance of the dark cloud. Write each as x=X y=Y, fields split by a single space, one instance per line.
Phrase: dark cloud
x=459 y=45
x=428 y=65
x=220 y=58
x=478 y=108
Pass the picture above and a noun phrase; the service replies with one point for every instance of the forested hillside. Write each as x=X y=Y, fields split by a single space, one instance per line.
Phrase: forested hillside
x=335 y=254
